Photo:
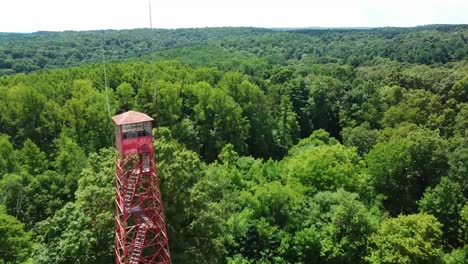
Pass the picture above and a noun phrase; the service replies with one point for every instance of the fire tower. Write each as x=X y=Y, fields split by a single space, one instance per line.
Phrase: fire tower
x=140 y=229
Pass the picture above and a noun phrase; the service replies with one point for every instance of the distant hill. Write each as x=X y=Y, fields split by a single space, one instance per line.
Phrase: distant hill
x=45 y=50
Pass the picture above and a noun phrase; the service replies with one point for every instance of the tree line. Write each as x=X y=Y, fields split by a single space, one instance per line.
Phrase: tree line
x=432 y=44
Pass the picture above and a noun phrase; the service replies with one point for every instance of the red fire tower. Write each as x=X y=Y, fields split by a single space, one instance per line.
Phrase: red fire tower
x=140 y=228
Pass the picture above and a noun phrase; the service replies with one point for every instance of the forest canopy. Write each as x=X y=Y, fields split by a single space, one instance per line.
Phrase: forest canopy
x=272 y=146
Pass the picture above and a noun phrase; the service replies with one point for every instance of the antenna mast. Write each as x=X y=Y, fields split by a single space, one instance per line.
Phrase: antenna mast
x=155 y=96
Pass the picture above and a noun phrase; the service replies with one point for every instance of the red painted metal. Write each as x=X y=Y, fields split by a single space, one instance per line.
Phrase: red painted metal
x=140 y=228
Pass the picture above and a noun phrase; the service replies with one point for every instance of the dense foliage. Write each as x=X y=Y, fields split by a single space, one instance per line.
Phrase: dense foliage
x=309 y=146
x=45 y=50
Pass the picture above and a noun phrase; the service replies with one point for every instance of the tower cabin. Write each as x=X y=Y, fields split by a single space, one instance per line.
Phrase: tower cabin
x=133 y=133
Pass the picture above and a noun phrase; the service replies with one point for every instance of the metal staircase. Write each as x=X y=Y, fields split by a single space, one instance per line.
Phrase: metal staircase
x=138 y=244
x=131 y=189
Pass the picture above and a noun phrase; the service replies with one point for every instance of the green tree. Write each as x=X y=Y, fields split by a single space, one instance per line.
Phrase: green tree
x=25 y=105
x=459 y=90
x=8 y=162
x=45 y=194
x=82 y=231
x=32 y=159
x=179 y=170
x=407 y=239
x=362 y=137
x=323 y=105
x=169 y=103
x=388 y=165
x=306 y=245
x=52 y=118
x=186 y=133
x=405 y=165
x=461 y=123
x=317 y=138
x=220 y=121
x=276 y=203
x=86 y=117
x=210 y=75
x=256 y=108
x=391 y=95
x=262 y=230
x=125 y=97
x=286 y=130
x=66 y=237
x=325 y=168
x=464 y=224
x=445 y=202
x=15 y=242
x=70 y=160
x=13 y=193
x=228 y=156
x=418 y=107
x=344 y=224
x=207 y=225
x=457 y=256
x=362 y=104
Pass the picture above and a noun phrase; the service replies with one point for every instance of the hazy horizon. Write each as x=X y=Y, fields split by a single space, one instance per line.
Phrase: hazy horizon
x=271 y=28
x=27 y=16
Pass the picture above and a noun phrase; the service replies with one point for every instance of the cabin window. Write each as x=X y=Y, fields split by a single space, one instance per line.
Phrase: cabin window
x=147 y=127
x=136 y=130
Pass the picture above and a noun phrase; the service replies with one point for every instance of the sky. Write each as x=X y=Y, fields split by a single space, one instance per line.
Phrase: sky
x=56 y=15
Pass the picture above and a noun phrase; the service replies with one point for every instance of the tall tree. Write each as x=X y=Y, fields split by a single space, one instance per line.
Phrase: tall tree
x=15 y=242
x=407 y=239
x=125 y=97
x=32 y=159
x=325 y=168
x=220 y=121
x=8 y=163
x=70 y=160
x=323 y=105
x=445 y=202
x=405 y=165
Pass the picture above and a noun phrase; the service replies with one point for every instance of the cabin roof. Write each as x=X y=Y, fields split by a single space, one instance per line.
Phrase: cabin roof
x=131 y=117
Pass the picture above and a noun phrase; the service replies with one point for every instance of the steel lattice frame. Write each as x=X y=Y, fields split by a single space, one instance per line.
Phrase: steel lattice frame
x=140 y=229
